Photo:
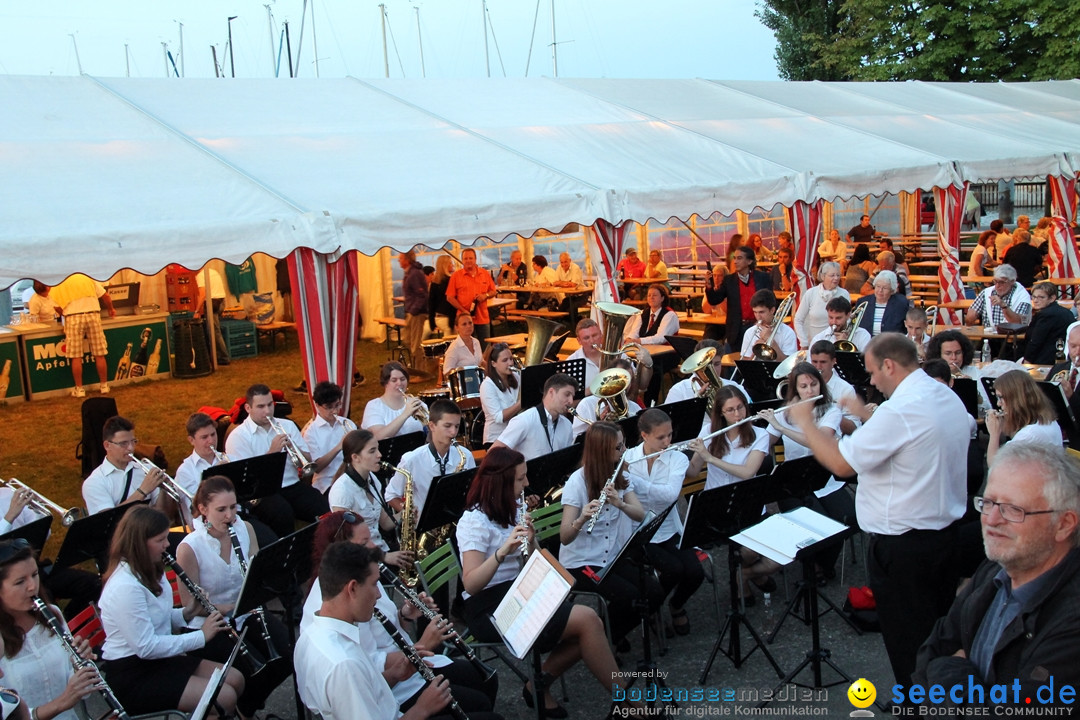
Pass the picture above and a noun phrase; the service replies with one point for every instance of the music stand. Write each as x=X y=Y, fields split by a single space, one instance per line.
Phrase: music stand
x=686 y=418
x=801 y=476
x=35 y=532
x=88 y=538
x=968 y=392
x=758 y=378
x=628 y=425
x=275 y=571
x=851 y=366
x=684 y=346
x=445 y=502
x=549 y=472
x=255 y=477
x=714 y=516
x=991 y=391
x=1065 y=417
x=534 y=377
x=392 y=448
x=756 y=407
x=217 y=679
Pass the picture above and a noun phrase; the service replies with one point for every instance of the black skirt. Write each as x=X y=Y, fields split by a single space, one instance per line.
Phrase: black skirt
x=479 y=607
x=145 y=686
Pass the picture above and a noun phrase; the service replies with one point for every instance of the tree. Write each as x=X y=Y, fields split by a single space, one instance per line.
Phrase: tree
x=800 y=26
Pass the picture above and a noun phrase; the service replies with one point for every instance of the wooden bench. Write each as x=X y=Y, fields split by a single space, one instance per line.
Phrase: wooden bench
x=272 y=329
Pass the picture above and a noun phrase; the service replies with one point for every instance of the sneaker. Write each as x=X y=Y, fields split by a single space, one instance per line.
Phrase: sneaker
x=104 y=388
x=78 y=391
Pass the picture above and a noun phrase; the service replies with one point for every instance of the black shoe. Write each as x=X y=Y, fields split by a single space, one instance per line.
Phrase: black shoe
x=556 y=712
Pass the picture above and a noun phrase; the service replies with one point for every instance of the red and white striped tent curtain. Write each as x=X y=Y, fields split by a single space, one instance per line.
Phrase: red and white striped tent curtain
x=804 y=219
x=949 y=208
x=1062 y=255
x=606 y=247
x=326 y=306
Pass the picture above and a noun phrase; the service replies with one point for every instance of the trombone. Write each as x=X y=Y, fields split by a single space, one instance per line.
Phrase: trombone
x=304 y=467
x=765 y=351
x=847 y=345
x=41 y=504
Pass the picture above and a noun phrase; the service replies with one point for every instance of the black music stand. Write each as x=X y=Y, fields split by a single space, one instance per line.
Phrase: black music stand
x=549 y=472
x=35 y=532
x=445 y=502
x=392 y=448
x=1065 y=416
x=534 y=377
x=686 y=418
x=278 y=570
x=684 y=346
x=255 y=477
x=991 y=391
x=88 y=538
x=758 y=378
x=968 y=391
x=715 y=515
x=851 y=366
x=211 y=692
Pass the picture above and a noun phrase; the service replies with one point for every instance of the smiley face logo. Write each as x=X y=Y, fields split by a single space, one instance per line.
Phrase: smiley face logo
x=862 y=693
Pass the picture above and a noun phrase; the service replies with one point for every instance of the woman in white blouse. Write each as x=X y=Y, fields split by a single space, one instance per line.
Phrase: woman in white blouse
x=834 y=249
x=357 y=489
x=466 y=350
x=811 y=317
x=148 y=667
x=490 y=537
x=731 y=457
x=616 y=518
x=661 y=484
x=35 y=662
x=390 y=414
x=499 y=394
x=1023 y=412
x=208 y=556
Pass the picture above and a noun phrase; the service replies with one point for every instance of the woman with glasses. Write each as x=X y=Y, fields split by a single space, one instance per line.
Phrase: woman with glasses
x=358 y=489
x=148 y=666
x=1048 y=325
x=394 y=412
x=34 y=660
x=1023 y=412
x=209 y=557
x=467 y=686
x=499 y=393
x=616 y=517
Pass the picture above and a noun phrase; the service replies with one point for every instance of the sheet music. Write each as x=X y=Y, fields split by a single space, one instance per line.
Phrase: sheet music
x=208 y=693
x=781 y=537
x=532 y=599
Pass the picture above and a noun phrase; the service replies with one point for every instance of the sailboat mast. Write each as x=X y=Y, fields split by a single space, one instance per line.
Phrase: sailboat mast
x=385 y=57
x=554 y=45
x=314 y=39
x=420 y=39
x=182 y=73
x=270 y=35
x=78 y=62
x=487 y=57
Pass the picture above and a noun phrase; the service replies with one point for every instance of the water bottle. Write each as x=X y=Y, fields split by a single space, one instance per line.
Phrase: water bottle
x=986 y=352
x=768 y=620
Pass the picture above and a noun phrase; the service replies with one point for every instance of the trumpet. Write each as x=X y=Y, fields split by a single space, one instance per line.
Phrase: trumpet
x=422 y=411
x=304 y=467
x=43 y=505
x=169 y=486
x=221 y=457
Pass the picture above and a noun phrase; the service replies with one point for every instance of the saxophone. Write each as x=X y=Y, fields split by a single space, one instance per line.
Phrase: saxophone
x=432 y=541
x=407 y=539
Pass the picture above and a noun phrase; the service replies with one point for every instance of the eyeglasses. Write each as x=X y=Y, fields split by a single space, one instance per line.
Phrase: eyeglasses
x=11 y=548
x=124 y=443
x=1010 y=513
x=347 y=518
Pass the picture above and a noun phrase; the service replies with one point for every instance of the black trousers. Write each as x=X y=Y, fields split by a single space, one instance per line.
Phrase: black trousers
x=281 y=510
x=467 y=687
x=79 y=587
x=914 y=579
x=680 y=570
x=257 y=686
x=622 y=588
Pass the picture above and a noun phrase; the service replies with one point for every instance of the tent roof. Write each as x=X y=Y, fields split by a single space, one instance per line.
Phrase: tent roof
x=97 y=174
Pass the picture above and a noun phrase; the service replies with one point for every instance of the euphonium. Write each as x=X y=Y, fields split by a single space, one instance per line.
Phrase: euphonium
x=699 y=365
x=407 y=538
x=43 y=505
x=609 y=386
x=615 y=316
x=422 y=411
x=847 y=345
x=765 y=351
x=304 y=468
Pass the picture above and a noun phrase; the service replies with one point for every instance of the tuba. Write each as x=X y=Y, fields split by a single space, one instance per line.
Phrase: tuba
x=615 y=317
x=540 y=332
x=765 y=351
x=699 y=365
x=853 y=323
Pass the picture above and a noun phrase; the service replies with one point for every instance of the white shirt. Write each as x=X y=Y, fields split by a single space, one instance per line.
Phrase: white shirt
x=345 y=493
x=457 y=355
x=103 y=489
x=659 y=488
x=587 y=409
x=222 y=580
x=546 y=276
x=250 y=440
x=529 y=437
x=138 y=623
x=837 y=254
x=840 y=388
x=572 y=274
x=911 y=456
x=476 y=531
x=25 y=516
x=189 y=476
x=860 y=337
x=794 y=450
x=41 y=669
x=376 y=412
x=321 y=436
x=684 y=390
x=423 y=466
x=591 y=368
x=613 y=527
x=1039 y=434
x=669 y=325
x=336 y=675
x=495 y=401
x=736 y=455
x=217 y=285
x=43 y=308
x=783 y=339
x=811 y=317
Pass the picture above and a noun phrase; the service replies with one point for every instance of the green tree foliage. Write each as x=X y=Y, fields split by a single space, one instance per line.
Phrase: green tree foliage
x=934 y=40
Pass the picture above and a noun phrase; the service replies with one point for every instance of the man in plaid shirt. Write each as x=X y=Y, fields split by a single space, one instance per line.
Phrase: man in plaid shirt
x=1005 y=302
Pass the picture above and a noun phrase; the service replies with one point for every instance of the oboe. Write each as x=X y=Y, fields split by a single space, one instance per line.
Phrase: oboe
x=250 y=655
x=521 y=514
x=603 y=497
x=417 y=662
x=260 y=611
x=389 y=577
x=116 y=709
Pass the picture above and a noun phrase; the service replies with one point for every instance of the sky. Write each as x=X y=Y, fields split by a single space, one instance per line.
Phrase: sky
x=717 y=39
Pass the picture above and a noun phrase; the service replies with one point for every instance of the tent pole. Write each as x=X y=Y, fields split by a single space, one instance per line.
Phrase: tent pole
x=208 y=313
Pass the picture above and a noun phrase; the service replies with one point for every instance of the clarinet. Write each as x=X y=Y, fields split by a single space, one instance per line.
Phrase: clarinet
x=417 y=662
x=116 y=710
x=391 y=578
x=250 y=655
x=260 y=611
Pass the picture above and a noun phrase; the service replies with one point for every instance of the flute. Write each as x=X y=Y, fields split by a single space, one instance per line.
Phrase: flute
x=521 y=515
x=417 y=662
x=603 y=496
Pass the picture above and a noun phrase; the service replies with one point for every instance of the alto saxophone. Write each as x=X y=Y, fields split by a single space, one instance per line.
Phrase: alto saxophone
x=407 y=539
